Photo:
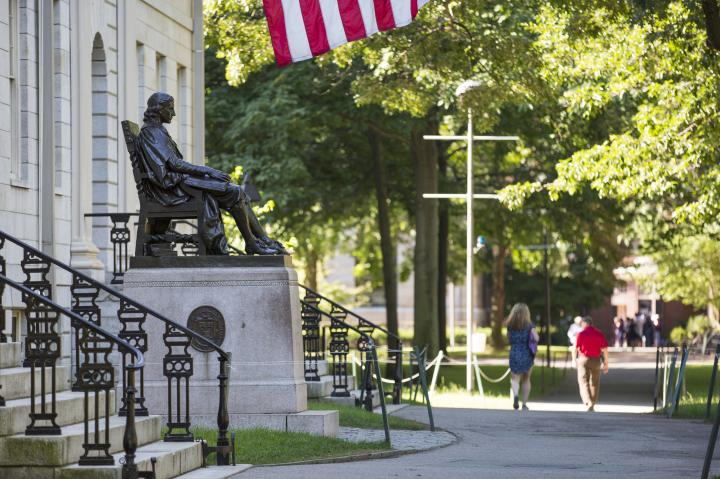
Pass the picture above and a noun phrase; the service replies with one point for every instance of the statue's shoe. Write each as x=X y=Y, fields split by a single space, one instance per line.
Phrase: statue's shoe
x=259 y=249
x=274 y=245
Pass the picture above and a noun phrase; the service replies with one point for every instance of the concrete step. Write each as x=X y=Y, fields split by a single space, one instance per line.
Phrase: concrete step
x=354 y=397
x=22 y=450
x=10 y=355
x=14 y=416
x=216 y=472
x=16 y=381
x=324 y=387
x=173 y=459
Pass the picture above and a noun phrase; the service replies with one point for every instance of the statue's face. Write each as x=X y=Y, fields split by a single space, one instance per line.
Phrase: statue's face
x=167 y=112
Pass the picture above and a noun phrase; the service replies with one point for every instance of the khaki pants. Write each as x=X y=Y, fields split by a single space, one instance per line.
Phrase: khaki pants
x=588 y=370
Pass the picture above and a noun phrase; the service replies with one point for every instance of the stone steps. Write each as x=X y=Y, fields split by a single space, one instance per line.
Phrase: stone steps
x=216 y=472
x=173 y=459
x=22 y=450
x=14 y=416
x=324 y=387
x=16 y=381
x=355 y=395
x=10 y=355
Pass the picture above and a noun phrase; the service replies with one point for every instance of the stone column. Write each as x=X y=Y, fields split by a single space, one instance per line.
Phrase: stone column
x=83 y=252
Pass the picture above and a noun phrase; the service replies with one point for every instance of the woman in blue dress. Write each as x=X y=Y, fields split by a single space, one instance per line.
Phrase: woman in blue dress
x=520 y=330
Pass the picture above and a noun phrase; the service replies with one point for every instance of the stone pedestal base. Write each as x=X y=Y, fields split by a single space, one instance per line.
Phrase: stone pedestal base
x=256 y=299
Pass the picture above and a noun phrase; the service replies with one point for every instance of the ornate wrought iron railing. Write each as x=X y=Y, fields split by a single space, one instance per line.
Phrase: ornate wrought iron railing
x=120 y=239
x=315 y=307
x=95 y=376
x=372 y=365
x=177 y=363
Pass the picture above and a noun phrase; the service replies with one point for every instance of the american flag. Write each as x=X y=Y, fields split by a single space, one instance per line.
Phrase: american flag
x=302 y=29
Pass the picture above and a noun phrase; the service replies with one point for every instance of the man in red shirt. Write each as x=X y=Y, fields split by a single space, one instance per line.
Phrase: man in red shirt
x=590 y=347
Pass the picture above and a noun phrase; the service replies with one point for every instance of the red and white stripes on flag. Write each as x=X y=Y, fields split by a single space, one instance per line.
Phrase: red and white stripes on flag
x=302 y=29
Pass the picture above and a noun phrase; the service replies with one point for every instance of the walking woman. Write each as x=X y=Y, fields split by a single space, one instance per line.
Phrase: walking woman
x=521 y=333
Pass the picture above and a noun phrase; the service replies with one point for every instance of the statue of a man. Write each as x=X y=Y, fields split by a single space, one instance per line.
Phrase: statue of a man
x=170 y=176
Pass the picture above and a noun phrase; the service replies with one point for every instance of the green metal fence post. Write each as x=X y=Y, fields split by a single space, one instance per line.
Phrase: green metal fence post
x=678 y=382
x=423 y=384
x=711 y=387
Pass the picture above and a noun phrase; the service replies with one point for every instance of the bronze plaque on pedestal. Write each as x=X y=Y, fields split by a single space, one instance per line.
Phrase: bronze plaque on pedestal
x=209 y=322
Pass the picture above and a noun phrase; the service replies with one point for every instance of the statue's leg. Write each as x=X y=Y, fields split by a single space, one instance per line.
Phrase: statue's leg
x=259 y=232
x=255 y=226
x=252 y=246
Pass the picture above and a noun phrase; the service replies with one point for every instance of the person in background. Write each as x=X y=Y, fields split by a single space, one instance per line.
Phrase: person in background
x=657 y=330
x=619 y=332
x=574 y=330
x=648 y=333
x=632 y=338
x=519 y=331
x=590 y=355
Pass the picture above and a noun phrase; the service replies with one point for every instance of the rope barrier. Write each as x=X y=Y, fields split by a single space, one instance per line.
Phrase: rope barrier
x=405 y=380
x=489 y=379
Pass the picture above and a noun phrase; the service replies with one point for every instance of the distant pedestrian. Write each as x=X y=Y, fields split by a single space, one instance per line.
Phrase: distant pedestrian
x=632 y=337
x=657 y=330
x=648 y=333
x=590 y=355
x=619 y=332
x=521 y=333
x=574 y=329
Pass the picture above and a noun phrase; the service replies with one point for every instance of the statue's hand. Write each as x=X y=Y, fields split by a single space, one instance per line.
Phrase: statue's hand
x=220 y=175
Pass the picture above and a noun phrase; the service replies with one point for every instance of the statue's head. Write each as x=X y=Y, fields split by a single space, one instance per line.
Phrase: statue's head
x=160 y=107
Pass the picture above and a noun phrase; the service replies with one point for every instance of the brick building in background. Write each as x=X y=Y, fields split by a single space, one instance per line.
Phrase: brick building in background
x=630 y=297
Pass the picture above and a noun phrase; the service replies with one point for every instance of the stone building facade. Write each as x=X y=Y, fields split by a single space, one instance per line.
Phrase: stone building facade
x=70 y=71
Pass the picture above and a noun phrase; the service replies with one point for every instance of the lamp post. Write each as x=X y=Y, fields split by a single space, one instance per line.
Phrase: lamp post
x=468 y=196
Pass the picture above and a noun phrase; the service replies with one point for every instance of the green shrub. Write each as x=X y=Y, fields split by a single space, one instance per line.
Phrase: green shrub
x=678 y=335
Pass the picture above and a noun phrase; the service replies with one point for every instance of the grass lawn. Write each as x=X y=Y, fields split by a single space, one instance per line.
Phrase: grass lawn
x=351 y=416
x=694 y=402
x=260 y=446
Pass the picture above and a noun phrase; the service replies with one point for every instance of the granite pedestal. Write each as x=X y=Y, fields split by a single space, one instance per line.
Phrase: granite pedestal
x=257 y=300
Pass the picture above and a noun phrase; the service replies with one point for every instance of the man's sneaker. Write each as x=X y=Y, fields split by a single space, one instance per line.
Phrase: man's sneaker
x=525 y=408
x=591 y=409
x=516 y=403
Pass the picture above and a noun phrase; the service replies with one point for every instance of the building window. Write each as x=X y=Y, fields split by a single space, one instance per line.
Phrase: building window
x=161 y=73
x=182 y=104
x=16 y=164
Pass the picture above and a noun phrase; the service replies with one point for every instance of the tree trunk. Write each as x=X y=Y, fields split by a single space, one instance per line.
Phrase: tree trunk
x=498 y=294
x=443 y=236
x=712 y=22
x=311 y=272
x=387 y=245
x=424 y=155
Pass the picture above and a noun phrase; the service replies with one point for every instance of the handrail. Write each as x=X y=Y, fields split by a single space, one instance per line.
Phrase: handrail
x=129 y=440
x=116 y=294
x=373 y=348
x=351 y=313
x=139 y=358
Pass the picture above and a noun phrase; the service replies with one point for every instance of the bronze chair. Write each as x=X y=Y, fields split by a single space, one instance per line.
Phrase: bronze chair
x=155 y=218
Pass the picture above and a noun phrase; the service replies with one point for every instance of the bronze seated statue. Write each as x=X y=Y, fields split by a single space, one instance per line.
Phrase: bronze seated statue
x=166 y=182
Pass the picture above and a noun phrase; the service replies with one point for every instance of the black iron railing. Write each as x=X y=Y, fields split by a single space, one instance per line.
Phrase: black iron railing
x=95 y=376
x=120 y=239
x=315 y=307
x=177 y=363
x=372 y=369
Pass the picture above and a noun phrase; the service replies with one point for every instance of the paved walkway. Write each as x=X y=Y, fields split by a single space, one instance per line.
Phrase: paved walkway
x=401 y=440
x=552 y=440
